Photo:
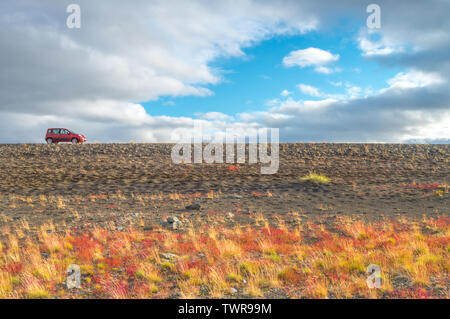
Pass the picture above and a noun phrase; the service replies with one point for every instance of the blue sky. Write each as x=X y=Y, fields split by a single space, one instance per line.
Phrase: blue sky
x=251 y=81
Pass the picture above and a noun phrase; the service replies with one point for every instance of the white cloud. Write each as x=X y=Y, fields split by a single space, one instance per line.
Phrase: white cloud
x=215 y=116
x=158 y=50
x=294 y=107
x=336 y=83
x=273 y=102
x=413 y=79
x=371 y=48
x=323 y=69
x=353 y=91
x=285 y=93
x=356 y=119
x=431 y=130
x=375 y=43
x=309 y=90
x=311 y=57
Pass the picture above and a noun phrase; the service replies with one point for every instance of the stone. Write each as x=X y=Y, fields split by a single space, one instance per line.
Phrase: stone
x=172 y=219
x=234 y=196
x=193 y=207
x=172 y=222
x=168 y=256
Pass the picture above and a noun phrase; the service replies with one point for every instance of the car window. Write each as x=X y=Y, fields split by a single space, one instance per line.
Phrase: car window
x=56 y=131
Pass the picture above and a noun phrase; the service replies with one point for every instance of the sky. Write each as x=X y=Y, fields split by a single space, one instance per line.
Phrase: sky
x=146 y=71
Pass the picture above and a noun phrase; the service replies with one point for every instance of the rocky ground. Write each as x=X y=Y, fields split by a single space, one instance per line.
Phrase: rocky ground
x=138 y=183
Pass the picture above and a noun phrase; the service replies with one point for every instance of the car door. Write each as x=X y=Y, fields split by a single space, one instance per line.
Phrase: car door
x=55 y=135
x=65 y=136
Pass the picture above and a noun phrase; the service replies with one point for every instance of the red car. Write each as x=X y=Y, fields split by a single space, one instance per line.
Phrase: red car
x=56 y=135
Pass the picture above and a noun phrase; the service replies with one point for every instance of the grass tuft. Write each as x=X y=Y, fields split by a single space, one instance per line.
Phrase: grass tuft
x=316 y=178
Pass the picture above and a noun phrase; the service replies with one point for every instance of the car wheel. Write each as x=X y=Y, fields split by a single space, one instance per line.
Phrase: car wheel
x=49 y=140
x=74 y=141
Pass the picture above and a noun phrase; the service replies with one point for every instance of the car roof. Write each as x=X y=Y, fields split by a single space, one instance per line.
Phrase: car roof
x=57 y=128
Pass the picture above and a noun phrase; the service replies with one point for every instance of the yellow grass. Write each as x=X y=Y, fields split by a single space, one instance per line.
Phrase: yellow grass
x=245 y=261
x=317 y=178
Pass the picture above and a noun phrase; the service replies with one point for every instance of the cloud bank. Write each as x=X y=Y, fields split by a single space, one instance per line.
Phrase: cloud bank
x=94 y=79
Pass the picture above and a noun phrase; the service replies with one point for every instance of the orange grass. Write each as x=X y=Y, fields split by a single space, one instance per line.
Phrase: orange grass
x=310 y=260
